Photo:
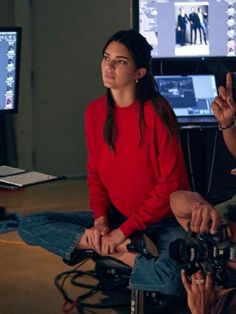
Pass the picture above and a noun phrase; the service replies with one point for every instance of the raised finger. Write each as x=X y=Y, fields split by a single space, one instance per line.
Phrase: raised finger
x=222 y=92
x=229 y=84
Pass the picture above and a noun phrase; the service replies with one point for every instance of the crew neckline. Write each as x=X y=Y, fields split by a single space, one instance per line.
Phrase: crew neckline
x=129 y=107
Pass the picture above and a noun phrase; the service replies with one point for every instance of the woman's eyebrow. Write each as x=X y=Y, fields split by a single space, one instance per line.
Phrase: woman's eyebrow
x=123 y=57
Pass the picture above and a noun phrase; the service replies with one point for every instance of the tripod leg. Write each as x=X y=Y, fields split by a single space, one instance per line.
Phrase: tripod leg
x=137 y=305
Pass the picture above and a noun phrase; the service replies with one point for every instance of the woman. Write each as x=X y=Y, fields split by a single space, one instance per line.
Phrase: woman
x=134 y=163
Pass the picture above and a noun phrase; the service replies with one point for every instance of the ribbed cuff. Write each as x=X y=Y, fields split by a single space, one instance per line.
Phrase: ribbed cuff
x=129 y=227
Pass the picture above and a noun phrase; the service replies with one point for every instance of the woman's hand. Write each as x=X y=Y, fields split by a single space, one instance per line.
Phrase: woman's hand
x=201 y=293
x=111 y=240
x=93 y=235
x=102 y=225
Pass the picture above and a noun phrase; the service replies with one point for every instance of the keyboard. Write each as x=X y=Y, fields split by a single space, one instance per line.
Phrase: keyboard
x=7 y=170
x=27 y=178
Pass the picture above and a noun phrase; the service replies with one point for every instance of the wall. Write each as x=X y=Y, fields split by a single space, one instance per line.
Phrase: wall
x=60 y=74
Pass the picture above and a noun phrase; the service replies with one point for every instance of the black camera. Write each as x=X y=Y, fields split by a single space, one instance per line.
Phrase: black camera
x=207 y=252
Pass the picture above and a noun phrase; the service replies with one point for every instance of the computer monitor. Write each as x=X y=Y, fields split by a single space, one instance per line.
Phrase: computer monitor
x=10 y=42
x=187 y=28
x=190 y=96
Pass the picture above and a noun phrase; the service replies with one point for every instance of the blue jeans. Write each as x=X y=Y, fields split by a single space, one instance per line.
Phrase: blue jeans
x=60 y=232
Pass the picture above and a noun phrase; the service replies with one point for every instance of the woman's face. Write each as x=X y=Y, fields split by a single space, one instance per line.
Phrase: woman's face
x=118 y=67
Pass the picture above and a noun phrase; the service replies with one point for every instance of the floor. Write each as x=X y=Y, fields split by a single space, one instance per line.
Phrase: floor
x=28 y=273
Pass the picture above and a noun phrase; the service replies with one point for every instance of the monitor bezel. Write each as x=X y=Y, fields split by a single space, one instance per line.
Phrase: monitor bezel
x=18 y=31
x=175 y=59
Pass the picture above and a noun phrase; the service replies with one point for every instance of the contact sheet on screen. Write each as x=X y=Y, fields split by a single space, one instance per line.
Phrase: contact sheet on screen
x=187 y=28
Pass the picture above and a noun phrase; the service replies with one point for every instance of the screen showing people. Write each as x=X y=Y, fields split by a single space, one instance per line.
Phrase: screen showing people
x=9 y=62
x=188 y=28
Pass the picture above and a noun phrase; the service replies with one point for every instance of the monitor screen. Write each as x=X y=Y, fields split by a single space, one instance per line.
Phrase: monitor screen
x=187 y=28
x=10 y=39
x=190 y=96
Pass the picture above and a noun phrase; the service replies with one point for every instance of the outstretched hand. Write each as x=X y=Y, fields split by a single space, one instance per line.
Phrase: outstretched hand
x=201 y=293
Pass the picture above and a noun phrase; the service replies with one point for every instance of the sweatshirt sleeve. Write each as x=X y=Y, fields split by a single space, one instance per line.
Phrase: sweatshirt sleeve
x=172 y=176
x=98 y=196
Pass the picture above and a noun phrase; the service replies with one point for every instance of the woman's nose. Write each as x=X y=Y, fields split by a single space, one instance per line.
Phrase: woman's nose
x=111 y=64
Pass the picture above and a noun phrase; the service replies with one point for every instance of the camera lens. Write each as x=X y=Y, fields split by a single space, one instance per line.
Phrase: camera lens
x=188 y=250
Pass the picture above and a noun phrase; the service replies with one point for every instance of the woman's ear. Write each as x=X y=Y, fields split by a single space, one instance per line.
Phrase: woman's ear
x=141 y=73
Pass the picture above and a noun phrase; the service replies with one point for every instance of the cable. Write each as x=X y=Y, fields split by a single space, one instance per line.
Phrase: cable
x=212 y=162
x=64 y=276
x=190 y=161
x=79 y=302
x=161 y=67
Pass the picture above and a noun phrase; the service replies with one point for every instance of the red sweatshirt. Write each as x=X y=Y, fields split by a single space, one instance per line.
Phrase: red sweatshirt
x=138 y=178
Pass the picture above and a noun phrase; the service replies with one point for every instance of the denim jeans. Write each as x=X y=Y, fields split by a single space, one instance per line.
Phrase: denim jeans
x=60 y=232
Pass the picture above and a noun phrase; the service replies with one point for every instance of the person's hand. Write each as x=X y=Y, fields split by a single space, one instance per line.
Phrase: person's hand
x=204 y=218
x=93 y=235
x=223 y=105
x=201 y=293
x=101 y=224
x=111 y=240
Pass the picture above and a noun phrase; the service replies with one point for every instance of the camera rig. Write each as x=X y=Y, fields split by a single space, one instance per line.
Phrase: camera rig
x=205 y=251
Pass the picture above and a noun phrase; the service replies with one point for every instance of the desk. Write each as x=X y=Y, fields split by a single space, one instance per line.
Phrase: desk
x=68 y=194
